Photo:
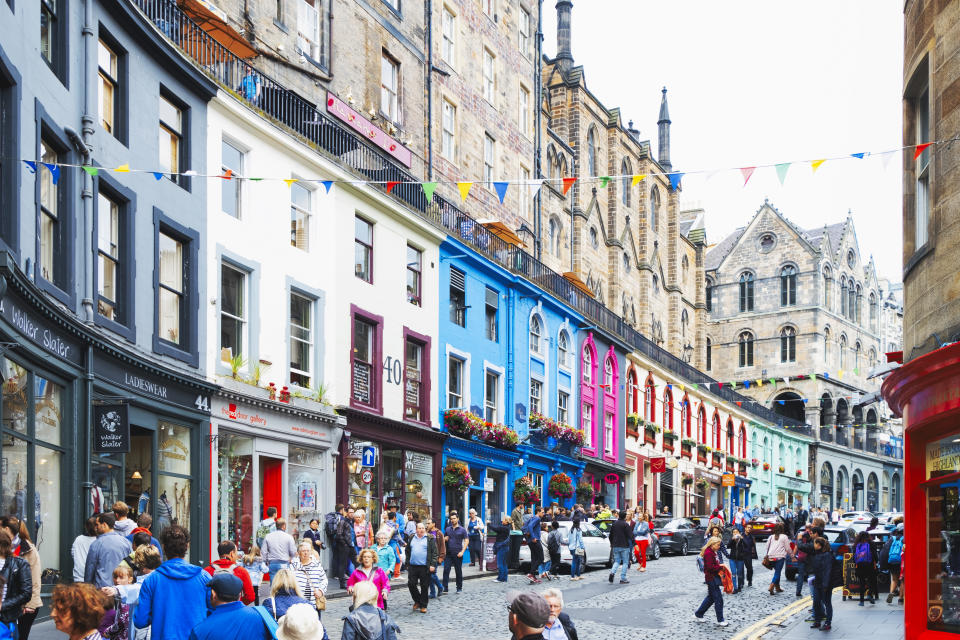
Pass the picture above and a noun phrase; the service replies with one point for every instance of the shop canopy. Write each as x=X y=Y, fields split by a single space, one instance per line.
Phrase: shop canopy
x=575 y=280
x=502 y=231
x=209 y=19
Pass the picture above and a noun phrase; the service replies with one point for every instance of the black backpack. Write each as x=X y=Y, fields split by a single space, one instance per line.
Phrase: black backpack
x=330 y=525
x=553 y=543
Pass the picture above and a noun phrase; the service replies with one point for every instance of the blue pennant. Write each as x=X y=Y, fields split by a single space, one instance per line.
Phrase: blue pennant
x=158 y=175
x=31 y=165
x=674 y=180
x=54 y=171
x=746 y=384
x=327 y=184
x=501 y=188
x=858 y=155
x=781 y=401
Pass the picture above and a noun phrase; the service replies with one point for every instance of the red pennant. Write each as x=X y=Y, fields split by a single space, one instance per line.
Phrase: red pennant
x=567 y=183
x=747 y=172
x=228 y=174
x=739 y=403
x=920 y=149
x=719 y=385
x=391 y=185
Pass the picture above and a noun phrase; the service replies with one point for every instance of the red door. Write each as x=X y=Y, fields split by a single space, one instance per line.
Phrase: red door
x=271 y=488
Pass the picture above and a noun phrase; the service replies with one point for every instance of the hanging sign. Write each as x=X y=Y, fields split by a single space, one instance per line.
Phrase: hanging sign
x=111 y=429
x=611 y=478
x=658 y=465
x=343 y=112
x=728 y=480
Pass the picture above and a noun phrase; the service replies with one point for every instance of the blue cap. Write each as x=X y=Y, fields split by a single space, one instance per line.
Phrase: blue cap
x=226 y=585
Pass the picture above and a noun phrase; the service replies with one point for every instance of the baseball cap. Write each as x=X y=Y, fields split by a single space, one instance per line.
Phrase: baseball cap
x=899 y=526
x=529 y=607
x=226 y=585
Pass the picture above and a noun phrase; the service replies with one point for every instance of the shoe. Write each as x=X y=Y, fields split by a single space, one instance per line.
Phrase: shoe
x=825 y=627
x=749 y=584
x=423 y=609
x=889 y=597
x=643 y=570
x=861 y=603
x=531 y=578
x=445 y=590
x=698 y=618
x=610 y=580
x=815 y=625
x=459 y=590
x=723 y=623
x=624 y=581
x=777 y=587
x=799 y=595
x=770 y=589
x=416 y=607
x=810 y=619
x=538 y=581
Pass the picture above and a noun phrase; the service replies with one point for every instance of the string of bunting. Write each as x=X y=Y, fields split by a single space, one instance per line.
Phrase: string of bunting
x=499 y=186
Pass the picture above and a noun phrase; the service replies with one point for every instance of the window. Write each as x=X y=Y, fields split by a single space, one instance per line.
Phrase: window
x=489 y=75
x=788 y=286
x=301 y=340
x=633 y=392
x=746 y=292
x=363 y=249
x=608 y=376
x=448 y=140
x=448 y=33
x=389 y=87
x=524 y=115
x=112 y=273
x=843 y=296
x=668 y=409
x=649 y=401
x=53 y=260
x=366 y=343
x=536 y=392
x=852 y=301
x=415 y=399
x=922 y=170
x=171 y=139
x=525 y=29
x=176 y=301
x=393 y=4
x=684 y=323
x=233 y=312
x=702 y=425
x=491 y=310
x=685 y=416
x=526 y=201
x=594 y=238
x=491 y=396
x=746 y=349
x=843 y=352
x=827 y=287
x=563 y=350
x=300 y=208
x=788 y=344
x=767 y=242
x=873 y=312
x=231 y=164
x=458 y=297
x=312 y=36
x=654 y=208
x=554 y=236
x=563 y=402
x=625 y=182
x=856 y=357
x=108 y=89
x=172 y=289
x=709 y=354
x=53 y=35
x=488 y=7
x=454 y=383
x=414 y=264
x=489 y=159
x=591 y=152
x=826 y=345
x=859 y=300
x=9 y=154
x=608 y=432
x=536 y=331
x=586 y=424
x=709 y=285
x=587 y=370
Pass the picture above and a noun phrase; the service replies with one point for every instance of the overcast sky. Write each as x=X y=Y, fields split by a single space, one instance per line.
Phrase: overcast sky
x=755 y=82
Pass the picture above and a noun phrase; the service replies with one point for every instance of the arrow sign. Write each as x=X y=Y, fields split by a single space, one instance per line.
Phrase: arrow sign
x=369 y=457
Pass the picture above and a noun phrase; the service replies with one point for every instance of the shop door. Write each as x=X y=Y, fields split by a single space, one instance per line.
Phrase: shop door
x=271 y=485
x=496 y=504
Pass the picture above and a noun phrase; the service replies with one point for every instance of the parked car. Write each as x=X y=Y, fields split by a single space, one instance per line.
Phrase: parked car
x=886 y=517
x=762 y=526
x=841 y=541
x=850 y=517
x=595 y=543
x=678 y=535
x=701 y=523
x=653 y=549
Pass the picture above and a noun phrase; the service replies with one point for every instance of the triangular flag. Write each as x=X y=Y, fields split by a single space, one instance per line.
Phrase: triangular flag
x=733 y=385
x=826 y=375
x=786 y=381
x=534 y=186
x=920 y=148
x=813 y=376
x=739 y=403
x=124 y=168
x=781 y=402
x=90 y=170
x=816 y=164
x=289 y=181
x=773 y=381
x=54 y=171
x=390 y=185
x=719 y=385
x=501 y=189
x=746 y=172
x=682 y=388
x=327 y=184
x=428 y=189
x=674 y=179
x=464 y=188
x=31 y=165
x=228 y=174
x=603 y=181
x=189 y=172
x=250 y=179
x=696 y=386
x=759 y=382
x=840 y=375
x=856 y=371
x=858 y=156
x=567 y=183
x=159 y=176
x=637 y=178
x=669 y=386
x=806 y=400
x=746 y=384
x=885 y=158
x=782 y=169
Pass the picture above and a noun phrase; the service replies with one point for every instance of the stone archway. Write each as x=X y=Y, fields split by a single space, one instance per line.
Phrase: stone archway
x=827 y=418
x=843 y=422
x=873 y=493
x=857 y=491
x=789 y=404
x=895 y=490
x=826 y=486
x=843 y=489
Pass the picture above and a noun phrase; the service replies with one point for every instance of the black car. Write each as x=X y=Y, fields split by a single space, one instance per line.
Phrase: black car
x=701 y=523
x=678 y=535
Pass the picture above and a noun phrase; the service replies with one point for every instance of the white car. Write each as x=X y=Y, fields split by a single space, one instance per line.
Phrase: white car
x=595 y=543
x=848 y=518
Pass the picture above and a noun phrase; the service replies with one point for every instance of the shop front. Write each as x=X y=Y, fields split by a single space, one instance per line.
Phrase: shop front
x=926 y=393
x=386 y=462
x=791 y=491
x=740 y=492
x=608 y=482
x=709 y=490
x=490 y=470
x=270 y=454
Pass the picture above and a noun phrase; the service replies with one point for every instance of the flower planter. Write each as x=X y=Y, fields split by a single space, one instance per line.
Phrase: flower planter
x=466 y=425
x=701 y=457
x=632 y=432
x=743 y=472
x=729 y=465
x=686 y=451
x=560 y=486
x=649 y=437
x=668 y=446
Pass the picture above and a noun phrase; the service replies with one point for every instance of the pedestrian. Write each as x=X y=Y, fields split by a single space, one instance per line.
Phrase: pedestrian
x=559 y=626
x=641 y=538
x=139 y=539
x=544 y=572
x=17 y=584
x=144 y=522
x=309 y=574
x=835 y=516
x=123 y=525
x=368 y=571
x=436 y=585
x=578 y=552
x=300 y=623
x=278 y=547
x=386 y=557
x=803 y=516
x=501 y=547
x=115 y=624
x=109 y=549
x=148 y=559
x=455 y=539
x=778 y=549
x=865 y=558
x=362 y=531
x=805 y=551
x=516 y=536
x=554 y=543
x=366 y=620
x=284 y=594
x=173 y=599
x=892 y=557
x=229 y=619
x=342 y=545
x=738 y=552
x=716 y=531
x=267 y=526
x=81 y=547
x=395 y=540
x=532 y=533
x=751 y=545
x=528 y=614
x=477 y=531
x=422 y=556
x=77 y=610
x=256 y=568
x=822 y=566
x=738 y=519
x=621 y=540
x=711 y=577
x=315 y=536
x=229 y=562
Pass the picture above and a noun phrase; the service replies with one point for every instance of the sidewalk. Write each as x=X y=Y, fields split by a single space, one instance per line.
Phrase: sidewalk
x=881 y=621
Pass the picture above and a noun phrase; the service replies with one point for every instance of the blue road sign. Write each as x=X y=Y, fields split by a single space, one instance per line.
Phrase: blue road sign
x=369 y=458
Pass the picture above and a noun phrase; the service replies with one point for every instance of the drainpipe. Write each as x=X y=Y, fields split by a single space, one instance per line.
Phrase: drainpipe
x=511 y=348
x=538 y=91
x=84 y=146
x=428 y=18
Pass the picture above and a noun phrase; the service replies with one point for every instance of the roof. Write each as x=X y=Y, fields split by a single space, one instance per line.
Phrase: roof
x=716 y=255
x=834 y=233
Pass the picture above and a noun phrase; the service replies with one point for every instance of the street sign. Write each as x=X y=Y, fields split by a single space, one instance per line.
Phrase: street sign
x=728 y=480
x=367 y=476
x=369 y=457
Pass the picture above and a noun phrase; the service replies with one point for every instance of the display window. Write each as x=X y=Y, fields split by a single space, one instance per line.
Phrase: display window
x=396 y=475
x=235 y=515
x=305 y=473
x=943 y=534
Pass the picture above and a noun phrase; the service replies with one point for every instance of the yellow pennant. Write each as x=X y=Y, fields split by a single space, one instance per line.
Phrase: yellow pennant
x=124 y=168
x=840 y=375
x=637 y=178
x=760 y=382
x=289 y=181
x=464 y=188
x=816 y=164
x=682 y=388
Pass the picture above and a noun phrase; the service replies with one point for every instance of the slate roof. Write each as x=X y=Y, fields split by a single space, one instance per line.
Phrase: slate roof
x=834 y=233
x=716 y=255
x=814 y=236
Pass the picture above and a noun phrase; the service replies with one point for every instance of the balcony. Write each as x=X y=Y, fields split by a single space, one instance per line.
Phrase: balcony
x=559 y=447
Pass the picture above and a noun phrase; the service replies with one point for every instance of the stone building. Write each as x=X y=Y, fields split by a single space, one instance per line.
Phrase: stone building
x=891 y=316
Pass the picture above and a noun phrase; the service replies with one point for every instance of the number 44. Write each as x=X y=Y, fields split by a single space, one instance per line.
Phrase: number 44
x=202 y=403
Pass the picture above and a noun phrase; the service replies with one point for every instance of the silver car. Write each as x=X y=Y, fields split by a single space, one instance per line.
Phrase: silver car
x=595 y=543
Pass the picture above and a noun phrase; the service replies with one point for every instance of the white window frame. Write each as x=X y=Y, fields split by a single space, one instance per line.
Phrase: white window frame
x=310 y=342
x=306 y=213
x=526 y=201
x=244 y=309
x=563 y=412
x=390 y=87
x=488 y=67
x=463 y=357
x=564 y=363
x=489 y=160
x=448 y=130
x=524 y=24
x=587 y=416
x=448 y=36
x=922 y=170
x=236 y=175
x=524 y=115
x=536 y=338
x=489 y=367
x=536 y=383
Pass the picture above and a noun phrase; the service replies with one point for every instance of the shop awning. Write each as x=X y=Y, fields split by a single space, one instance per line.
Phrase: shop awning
x=209 y=19
x=578 y=283
x=502 y=231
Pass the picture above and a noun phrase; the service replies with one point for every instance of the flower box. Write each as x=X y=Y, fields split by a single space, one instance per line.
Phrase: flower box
x=668 y=445
x=632 y=432
x=635 y=421
x=466 y=425
x=686 y=450
x=743 y=471
x=701 y=457
x=649 y=435
x=557 y=430
x=729 y=465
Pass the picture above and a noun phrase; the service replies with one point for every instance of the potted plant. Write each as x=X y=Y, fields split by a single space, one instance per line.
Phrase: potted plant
x=686 y=480
x=781 y=469
x=456 y=476
x=703 y=483
x=634 y=420
x=755 y=462
x=560 y=486
x=585 y=492
x=524 y=492
x=670 y=435
x=799 y=473
x=766 y=466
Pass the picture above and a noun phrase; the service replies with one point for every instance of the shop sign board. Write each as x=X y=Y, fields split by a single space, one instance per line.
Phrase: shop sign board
x=488 y=484
x=943 y=457
x=658 y=465
x=40 y=331
x=123 y=375
x=419 y=462
x=728 y=480
x=111 y=428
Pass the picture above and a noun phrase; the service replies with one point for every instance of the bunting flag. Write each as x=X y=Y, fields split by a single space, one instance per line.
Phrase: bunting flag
x=603 y=181
x=813 y=376
x=228 y=174
x=816 y=164
x=31 y=165
x=773 y=381
x=54 y=171
x=428 y=189
x=746 y=172
x=782 y=169
x=289 y=181
x=501 y=189
x=719 y=385
x=920 y=149
x=637 y=178
x=840 y=375
x=856 y=371
x=786 y=381
x=91 y=171
x=759 y=382
x=124 y=168
x=858 y=156
x=464 y=188
x=826 y=375
x=327 y=184
x=746 y=384
x=696 y=386
x=391 y=184
x=675 y=179
x=159 y=176
x=567 y=183
x=189 y=172
x=739 y=403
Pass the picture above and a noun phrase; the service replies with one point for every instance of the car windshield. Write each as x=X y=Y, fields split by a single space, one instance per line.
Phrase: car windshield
x=836 y=536
x=664 y=523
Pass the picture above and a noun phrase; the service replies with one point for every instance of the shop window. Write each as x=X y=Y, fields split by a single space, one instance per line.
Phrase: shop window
x=536 y=394
x=942 y=552
x=235 y=513
x=416 y=379
x=305 y=473
x=233 y=313
x=491 y=311
x=301 y=208
x=363 y=249
x=173 y=487
x=563 y=401
x=491 y=400
x=301 y=340
x=363 y=495
x=365 y=384
x=414 y=265
x=418 y=480
x=454 y=383
x=458 y=297
x=536 y=479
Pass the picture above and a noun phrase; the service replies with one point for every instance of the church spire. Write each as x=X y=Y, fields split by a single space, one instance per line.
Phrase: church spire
x=663 y=124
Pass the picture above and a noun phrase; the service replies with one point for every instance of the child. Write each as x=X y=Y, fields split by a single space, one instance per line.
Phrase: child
x=554 y=542
x=115 y=624
x=256 y=567
x=386 y=558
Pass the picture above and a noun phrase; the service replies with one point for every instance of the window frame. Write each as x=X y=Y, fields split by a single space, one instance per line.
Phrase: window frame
x=315 y=301
x=126 y=201
x=59 y=61
x=10 y=144
x=747 y=282
x=497 y=374
x=563 y=350
x=186 y=349
x=243 y=318
x=415 y=270
x=563 y=406
x=488 y=75
x=788 y=285
x=296 y=211
x=424 y=342
x=745 y=342
x=236 y=176
x=494 y=334
x=183 y=137
x=524 y=24
x=458 y=314
x=489 y=160
x=922 y=172
x=461 y=396
x=448 y=42
x=376 y=373
x=788 y=345
x=394 y=91
x=523 y=119
x=535 y=333
x=709 y=354
x=535 y=384
x=47 y=130
x=120 y=101
x=367 y=247
x=319 y=53
x=448 y=134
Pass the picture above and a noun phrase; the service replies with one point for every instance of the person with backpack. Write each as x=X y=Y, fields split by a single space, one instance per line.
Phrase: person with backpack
x=229 y=562
x=267 y=526
x=710 y=565
x=531 y=531
x=229 y=619
x=554 y=542
x=892 y=558
x=822 y=587
x=865 y=558
x=367 y=621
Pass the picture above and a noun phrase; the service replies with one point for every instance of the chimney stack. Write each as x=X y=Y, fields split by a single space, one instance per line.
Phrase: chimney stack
x=564 y=56
x=663 y=124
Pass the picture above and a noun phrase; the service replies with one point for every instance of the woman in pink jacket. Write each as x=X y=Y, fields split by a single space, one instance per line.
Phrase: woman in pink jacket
x=778 y=550
x=369 y=571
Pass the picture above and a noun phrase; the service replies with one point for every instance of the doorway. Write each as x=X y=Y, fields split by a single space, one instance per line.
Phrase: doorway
x=271 y=485
x=496 y=500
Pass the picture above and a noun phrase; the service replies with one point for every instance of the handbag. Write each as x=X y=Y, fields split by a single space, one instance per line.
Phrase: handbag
x=320 y=600
x=580 y=552
x=767 y=562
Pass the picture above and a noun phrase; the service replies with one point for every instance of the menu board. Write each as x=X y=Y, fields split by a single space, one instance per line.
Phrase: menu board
x=943 y=457
x=361 y=382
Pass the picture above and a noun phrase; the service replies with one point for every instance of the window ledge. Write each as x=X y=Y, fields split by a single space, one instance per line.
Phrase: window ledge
x=166 y=348
x=125 y=331
x=917 y=258
x=281 y=26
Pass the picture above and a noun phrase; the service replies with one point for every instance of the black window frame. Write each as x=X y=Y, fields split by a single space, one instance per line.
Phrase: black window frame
x=121 y=102
x=183 y=151
x=746 y=343
x=458 y=298
x=186 y=351
x=747 y=280
x=788 y=286
x=60 y=62
x=788 y=344
x=10 y=167
x=126 y=200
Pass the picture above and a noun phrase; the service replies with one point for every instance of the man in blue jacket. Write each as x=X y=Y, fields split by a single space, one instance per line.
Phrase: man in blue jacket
x=532 y=531
x=173 y=599
x=230 y=619
x=105 y=553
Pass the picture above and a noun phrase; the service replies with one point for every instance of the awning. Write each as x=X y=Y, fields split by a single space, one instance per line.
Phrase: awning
x=209 y=19
x=502 y=231
x=578 y=283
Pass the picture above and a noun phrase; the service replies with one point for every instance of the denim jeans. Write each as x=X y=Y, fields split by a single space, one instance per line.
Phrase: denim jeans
x=801 y=577
x=621 y=559
x=822 y=605
x=576 y=565
x=544 y=567
x=736 y=570
x=457 y=565
x=276 y=566
x=777 y=568
x=714 y=597
x=503 y=560
x=435 y=584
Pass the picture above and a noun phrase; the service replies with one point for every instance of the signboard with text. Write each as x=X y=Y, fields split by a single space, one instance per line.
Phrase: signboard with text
x=345 y=113
x=111 y=428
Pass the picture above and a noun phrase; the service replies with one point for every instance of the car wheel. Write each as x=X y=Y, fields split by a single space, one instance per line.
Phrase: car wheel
x=683 y=548
x=656 y=552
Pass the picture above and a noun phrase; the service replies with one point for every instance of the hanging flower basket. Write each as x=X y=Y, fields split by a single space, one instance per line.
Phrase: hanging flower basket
x=456 y=476
x=686 y=481
x=766 y=466
x=524 y=492
x=585 y=492
x=703 y=483
x=557 y=430
x=755 y=462
x=560 y=486
x=781 y=469
x=799 y=473
x=466 y=425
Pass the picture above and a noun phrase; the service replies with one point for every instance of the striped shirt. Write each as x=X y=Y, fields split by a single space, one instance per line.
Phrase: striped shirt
x=310 y=578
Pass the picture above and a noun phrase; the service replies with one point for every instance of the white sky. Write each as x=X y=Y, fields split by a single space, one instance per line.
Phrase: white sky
x=756 y=82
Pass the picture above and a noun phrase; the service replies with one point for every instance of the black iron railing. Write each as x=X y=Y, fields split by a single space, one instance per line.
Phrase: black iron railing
x=353 y=152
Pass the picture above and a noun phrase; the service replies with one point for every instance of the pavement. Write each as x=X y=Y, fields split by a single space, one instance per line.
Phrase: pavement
x=881 y=621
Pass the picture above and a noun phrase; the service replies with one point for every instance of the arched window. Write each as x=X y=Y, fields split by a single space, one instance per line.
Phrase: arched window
x=873 y=358
x=591 y=152
x=684 y=322
x=667 y=410
x=826 y=345
x=746 y=291
x=709 y=284
x=743 y=440
x=702 y=425
x=859 y=304
x=730 y=437
x=685 y=416
x=746 y=349
x=587 y=365
x=717 y=441
x=788 y=344
x=709 y=354
x=788 y=286
x=654 y=208
x=562 y=167
x=851 y=301
x=633 y=392
x=843 y=296
x=685 y=268
x=536 y=332
x=873 y=311
x=827 y=288
x=563 y=350
x=608 y=376
x=556 y=233
x=551 y=163
x=856 y=356
x=625 y=182
x=649 y=400
x=843 y=351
